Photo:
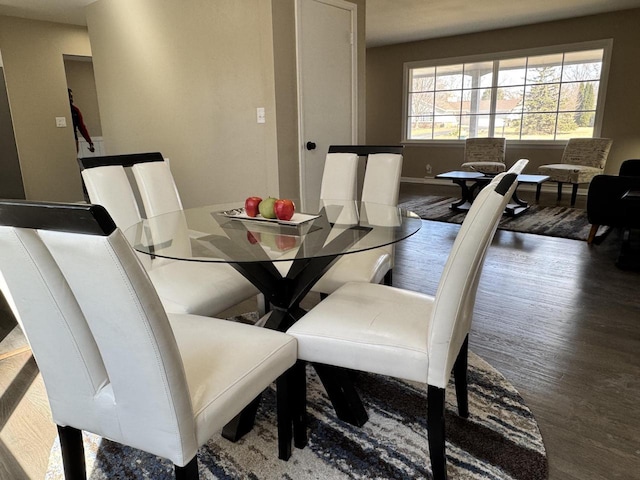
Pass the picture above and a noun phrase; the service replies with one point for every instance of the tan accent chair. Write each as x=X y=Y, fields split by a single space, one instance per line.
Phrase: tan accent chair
x=582 y=159
x=484 y=155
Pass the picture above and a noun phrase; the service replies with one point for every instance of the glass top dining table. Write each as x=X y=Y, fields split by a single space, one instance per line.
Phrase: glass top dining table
x=224 y=233
x=256 y=247
x=282 y=259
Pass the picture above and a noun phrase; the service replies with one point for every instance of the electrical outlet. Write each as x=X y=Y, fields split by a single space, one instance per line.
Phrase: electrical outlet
x=61 y=122
x=428 y=168
x=260 y=115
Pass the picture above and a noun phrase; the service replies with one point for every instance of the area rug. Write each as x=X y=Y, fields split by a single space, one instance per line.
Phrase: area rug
x=562 y=222
x=499 y=441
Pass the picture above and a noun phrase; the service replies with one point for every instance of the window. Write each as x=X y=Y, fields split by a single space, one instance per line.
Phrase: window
x=551 y=94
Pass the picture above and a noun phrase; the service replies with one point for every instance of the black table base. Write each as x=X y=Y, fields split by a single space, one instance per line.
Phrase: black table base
x=468 y=194
x=284 y=295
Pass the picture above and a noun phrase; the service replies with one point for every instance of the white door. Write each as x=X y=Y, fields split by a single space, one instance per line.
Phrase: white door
x=326 y=50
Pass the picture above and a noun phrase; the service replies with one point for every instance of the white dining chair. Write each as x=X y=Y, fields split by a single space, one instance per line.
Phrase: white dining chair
x=157 y=187
x=339 y=184
x=381 y=185
x=113 y=361
x=184 y=287
x=339 y=177
x=409 y=335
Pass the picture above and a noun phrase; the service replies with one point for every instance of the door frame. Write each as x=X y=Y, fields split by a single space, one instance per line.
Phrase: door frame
x=353 y=9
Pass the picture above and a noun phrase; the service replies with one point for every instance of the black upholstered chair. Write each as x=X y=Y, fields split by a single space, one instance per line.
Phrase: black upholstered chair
x=605 y=202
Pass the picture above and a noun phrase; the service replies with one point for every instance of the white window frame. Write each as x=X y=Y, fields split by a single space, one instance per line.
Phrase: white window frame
x=606 y=45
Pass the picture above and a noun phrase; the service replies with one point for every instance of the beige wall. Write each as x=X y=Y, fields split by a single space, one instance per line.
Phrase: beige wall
x=32 y=54
x=186 y=79
x=80 y=79
x=621 y=120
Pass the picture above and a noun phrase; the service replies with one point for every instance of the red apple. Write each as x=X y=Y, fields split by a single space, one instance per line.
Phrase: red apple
x=284 y=209
x=285 y=242
x=251 y=206
x=253 y=237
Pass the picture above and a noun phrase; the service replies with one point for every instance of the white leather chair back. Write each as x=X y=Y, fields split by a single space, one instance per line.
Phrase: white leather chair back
x=109 y=186
x=453 y=308
x=157 y=188
x=382 y=178
x=518 y=167
x=340 y=177
x=50 y=317
x=101 y=337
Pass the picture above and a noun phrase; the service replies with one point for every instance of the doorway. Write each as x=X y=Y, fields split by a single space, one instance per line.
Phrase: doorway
x=326 y=41
x=11 y=185
x=81 y=79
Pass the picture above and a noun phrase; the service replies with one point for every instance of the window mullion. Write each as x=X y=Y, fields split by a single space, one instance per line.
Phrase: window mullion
x=555 y=130
x=494 y=98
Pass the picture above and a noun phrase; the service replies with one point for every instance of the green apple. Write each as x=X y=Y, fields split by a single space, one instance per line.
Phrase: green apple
x=267 y=207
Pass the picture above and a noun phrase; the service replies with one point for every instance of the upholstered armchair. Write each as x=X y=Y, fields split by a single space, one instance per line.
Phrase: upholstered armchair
x=484 y=155
x=605 y=203
x=582 y=159
x=113 y=361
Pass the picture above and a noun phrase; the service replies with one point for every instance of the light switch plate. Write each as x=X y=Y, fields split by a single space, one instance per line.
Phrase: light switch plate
x=260 y=115
x=61 y=122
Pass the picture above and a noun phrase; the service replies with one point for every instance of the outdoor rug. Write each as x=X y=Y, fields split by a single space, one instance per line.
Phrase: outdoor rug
x=562 y=222
x=500 y=440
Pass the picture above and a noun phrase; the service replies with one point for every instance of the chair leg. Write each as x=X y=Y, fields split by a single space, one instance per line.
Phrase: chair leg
x=284 y=415
x=559 y=197
x=592 y=234
x=574 y=194
x=291 y=388
x=342 y=393
x=538 y=190
x=263 y=306
x=189 y=471
x=435 y=422
x=299 y=384
x=72 y=453
x=460 y=376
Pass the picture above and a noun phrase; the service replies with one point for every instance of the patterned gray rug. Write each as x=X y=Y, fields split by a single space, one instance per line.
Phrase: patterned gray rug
x=499 y=441
x=562 y=222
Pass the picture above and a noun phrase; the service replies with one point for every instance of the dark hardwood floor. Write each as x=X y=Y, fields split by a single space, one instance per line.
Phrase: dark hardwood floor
x=555 y=316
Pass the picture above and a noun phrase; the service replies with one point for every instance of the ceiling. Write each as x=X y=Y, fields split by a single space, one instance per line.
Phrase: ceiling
x=390 y=21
